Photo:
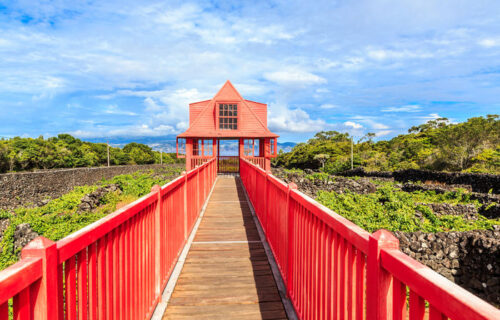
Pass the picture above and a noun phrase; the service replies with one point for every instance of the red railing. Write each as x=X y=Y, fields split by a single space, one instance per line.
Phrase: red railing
x=333 y=269
x=115 y=268
x=258 y=161
x=199 y=160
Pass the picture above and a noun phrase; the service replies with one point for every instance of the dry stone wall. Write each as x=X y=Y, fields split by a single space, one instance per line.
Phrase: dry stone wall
x=478 y=182
x=36 y=188
x=470 y=259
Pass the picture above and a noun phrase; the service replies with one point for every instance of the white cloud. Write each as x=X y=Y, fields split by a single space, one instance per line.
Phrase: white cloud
x=284 y=119
x=151 y=105
x=379 y=126
x=113 y=109
x=353 y=125
x=322 y=90
x=328 y=106
x=489 y=42
x=405 y=108
x=142 y=130
x=294 y=77
x=383 y=133
x=383 y=54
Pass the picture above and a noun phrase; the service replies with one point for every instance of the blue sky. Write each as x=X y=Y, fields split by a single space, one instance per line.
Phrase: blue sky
x=100 y=69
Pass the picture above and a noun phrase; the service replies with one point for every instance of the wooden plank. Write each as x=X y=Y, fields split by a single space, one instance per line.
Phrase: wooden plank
x=223 y=280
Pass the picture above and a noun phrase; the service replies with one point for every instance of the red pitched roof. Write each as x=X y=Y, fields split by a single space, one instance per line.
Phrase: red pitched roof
x=252 y=118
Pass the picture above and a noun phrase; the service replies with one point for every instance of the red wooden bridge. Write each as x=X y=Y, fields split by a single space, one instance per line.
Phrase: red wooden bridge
x=238 y=246
x=124 y=266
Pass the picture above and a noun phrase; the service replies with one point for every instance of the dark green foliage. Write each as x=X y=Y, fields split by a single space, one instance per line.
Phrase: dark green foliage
x=472 y=146
x=396 y=210
x=66 y=151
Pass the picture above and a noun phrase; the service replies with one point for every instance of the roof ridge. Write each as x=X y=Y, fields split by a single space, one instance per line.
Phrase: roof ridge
x=212 y=100
x=246 y=104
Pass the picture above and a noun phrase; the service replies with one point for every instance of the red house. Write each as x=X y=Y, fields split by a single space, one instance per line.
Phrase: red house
x=227 y=116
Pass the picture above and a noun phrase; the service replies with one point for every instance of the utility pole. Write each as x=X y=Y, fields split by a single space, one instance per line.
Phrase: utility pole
x=161 y=156
x=107 y=144
x=352 y=153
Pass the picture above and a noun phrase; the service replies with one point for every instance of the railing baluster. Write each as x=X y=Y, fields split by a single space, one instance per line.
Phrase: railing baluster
x=417 y=306
x=82 y=284
x=93 y=280
x=70 y=285
x=22 y=305
x=4 y=311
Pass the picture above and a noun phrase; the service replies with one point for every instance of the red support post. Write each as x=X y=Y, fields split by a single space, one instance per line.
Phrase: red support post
x=46 y=297
x=266 y=201
x=157 y=239
x=378 y=281
x=290 y=235
x=189 y=153
x=185 y=203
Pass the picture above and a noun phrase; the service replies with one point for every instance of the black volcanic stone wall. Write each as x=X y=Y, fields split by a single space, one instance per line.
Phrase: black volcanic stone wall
x=479 y=182
x=35 y=188
x=471 y=259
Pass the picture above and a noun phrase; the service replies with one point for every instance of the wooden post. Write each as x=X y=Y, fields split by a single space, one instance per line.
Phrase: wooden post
x=378 y=281
x=185 y=203
x=267 y=154
x=107 y=145
x=46 y=296
x=241 y=152
x=214 y=147
x=290 y=236
x=189 y=153
x=157 y=240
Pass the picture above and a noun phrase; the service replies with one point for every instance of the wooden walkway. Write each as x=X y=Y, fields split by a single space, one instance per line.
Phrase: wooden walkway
x=226 y=274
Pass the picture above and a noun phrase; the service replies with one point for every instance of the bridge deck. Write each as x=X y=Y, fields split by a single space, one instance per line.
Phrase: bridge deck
x=226 y=274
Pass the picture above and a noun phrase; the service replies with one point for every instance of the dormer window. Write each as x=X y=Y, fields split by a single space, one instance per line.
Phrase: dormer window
x=228 y=116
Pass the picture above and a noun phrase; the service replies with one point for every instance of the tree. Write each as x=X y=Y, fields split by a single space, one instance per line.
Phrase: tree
x=322 y=158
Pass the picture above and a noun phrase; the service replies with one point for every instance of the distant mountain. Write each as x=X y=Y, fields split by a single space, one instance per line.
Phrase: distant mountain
x=167 y=143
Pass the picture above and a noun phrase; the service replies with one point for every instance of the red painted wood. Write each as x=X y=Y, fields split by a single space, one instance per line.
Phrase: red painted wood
x=22 y=305
x=309 y=226
x=360 y=285
x=93 y=280
x=435 y=314
x=378 y=285
x=399 y=303
x=19 y=276
x=451 y=299
x=4 y=311
x=417 y=306
x=82 y=285
x=70 y=286
x=46 y=293
x=204 y=117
